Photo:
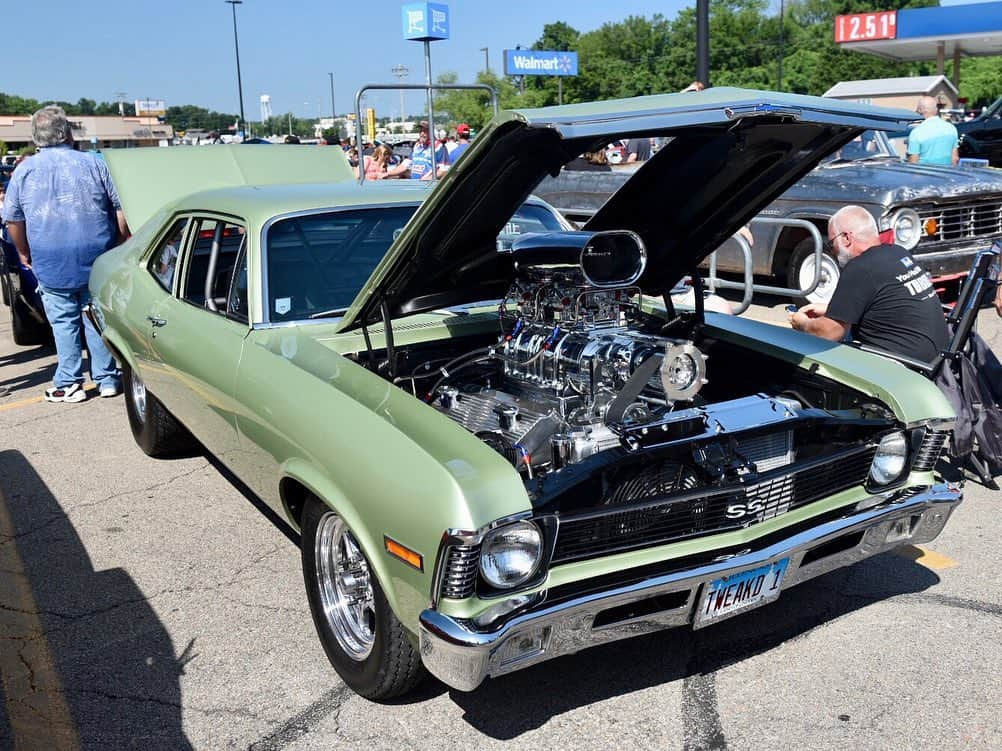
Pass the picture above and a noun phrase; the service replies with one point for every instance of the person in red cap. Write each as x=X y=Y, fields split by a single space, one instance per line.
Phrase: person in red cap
x=463 y=134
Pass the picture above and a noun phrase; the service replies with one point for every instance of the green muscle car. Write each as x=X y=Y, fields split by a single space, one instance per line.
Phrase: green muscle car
x=500 y=439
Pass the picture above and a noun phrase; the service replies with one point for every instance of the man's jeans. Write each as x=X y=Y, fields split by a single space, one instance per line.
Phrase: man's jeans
x=64 y=309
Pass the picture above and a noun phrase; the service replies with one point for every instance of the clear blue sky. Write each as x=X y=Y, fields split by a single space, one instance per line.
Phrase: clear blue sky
x=182 y=50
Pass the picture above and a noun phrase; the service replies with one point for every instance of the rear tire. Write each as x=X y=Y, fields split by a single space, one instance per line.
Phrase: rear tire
x=800 y=274
x=155 y=429
x=364 y=641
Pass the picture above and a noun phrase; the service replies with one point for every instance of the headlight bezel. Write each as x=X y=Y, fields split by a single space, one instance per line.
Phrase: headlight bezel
x=896 y=446
x=912 y=216
x=526 y=527
x=470 y=541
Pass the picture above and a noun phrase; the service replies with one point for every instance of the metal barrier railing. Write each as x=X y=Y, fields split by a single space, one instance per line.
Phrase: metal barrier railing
x=431 y=114
x=713 y=282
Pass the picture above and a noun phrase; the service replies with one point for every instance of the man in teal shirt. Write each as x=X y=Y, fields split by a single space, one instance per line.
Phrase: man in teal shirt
x=934 y=140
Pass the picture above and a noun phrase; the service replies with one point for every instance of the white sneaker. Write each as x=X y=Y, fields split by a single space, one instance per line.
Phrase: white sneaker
x=72 y=393
x=108 y=391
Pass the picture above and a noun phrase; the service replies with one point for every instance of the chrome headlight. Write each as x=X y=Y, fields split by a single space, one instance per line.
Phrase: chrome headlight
x=907 y=228
x=511 y=554
x=889 y=461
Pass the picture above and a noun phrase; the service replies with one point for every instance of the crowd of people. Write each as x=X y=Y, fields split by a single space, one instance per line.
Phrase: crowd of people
x=381 y=163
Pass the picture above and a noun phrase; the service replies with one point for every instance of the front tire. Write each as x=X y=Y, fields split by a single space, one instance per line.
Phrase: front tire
x=155 y=429
x=364 y=641
x=800 y=274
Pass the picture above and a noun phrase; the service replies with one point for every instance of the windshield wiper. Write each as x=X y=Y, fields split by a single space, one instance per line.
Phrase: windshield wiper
x=328 y=313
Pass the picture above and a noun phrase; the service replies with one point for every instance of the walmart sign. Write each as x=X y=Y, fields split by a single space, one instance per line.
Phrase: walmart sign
x=425 y=22
x=540 y=63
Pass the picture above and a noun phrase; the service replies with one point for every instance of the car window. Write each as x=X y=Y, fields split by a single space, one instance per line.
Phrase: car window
x=163 y=262
x=232 y=237
x=236 y=304
x=318 y=263
x=530 y=217
x=867 y=145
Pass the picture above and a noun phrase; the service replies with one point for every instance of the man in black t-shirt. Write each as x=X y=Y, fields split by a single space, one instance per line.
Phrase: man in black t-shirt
x=638 y=150
x=883 y=296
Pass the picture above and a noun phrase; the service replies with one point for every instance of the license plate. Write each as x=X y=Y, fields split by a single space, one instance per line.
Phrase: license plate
x=739 y=592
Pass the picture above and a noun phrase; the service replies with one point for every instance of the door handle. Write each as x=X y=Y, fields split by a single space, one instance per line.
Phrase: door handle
x=157 y=321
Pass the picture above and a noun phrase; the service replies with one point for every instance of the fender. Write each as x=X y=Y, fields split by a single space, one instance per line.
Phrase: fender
x=407 y=590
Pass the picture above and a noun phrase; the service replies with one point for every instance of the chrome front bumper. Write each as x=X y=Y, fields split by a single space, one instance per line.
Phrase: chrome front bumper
x=463 y=657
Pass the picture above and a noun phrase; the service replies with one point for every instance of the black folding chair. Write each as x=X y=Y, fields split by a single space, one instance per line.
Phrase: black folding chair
x=969 y=400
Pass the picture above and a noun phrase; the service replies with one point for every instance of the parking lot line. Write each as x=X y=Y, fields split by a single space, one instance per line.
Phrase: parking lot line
x=35 y=703
x=37 y=399
x=925 y=557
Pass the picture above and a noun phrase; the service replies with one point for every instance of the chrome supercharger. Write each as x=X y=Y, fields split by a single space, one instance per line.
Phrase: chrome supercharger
x=574 y=364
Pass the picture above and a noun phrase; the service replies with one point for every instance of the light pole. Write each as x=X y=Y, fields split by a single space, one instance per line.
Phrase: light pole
x=487 y=60
x=779 y=83
x=333 y=108
x=703 y=41
x=236 y=47
x=401 y=71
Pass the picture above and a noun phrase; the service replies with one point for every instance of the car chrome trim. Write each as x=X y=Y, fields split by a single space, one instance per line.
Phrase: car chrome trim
x=462 y=656
x=345 y=587
x=290 y=324
x=138 y=392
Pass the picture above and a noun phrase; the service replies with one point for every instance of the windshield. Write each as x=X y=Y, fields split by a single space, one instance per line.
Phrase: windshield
x=869 y=144
x=317 y=263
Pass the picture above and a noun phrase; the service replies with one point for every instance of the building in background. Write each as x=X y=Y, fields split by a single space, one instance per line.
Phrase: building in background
x=900 y=93
x=92 y=132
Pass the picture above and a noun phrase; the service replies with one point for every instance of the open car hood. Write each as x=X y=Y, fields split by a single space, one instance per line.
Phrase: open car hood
x=732 y=151
x=149 y=179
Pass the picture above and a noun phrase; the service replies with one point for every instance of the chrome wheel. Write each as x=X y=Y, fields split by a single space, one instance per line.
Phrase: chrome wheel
x=138 y=392
x=345 y=588
x=830 y=273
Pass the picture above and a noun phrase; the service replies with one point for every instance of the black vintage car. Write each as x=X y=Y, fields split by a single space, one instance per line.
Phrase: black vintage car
x=944 y=215
x=982 y=137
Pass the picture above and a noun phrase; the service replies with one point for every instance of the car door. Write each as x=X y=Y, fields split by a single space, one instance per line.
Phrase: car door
x=198 y=332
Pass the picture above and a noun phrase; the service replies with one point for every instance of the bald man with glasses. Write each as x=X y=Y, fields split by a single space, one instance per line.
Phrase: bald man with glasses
x=884 y=299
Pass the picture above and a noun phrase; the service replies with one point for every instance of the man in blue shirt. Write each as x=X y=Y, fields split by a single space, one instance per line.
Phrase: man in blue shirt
x=421 y=157
x=62 y=212
x=934 y=140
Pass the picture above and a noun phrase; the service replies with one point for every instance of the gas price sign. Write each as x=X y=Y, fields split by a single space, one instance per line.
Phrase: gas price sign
x=865 y=27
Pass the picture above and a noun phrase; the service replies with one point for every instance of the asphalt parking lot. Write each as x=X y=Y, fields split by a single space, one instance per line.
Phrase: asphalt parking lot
x=148 y=604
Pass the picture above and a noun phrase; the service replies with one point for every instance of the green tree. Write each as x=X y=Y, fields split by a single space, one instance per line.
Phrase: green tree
x=473 y=107
x=981 y=79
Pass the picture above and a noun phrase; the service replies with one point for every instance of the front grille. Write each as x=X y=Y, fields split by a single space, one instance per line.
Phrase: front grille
x=928 y=453
x=966 y=221
x=459 y=577
x=688 y=515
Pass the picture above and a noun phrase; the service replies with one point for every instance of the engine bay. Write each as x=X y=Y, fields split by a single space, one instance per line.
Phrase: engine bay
x=580 y=375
